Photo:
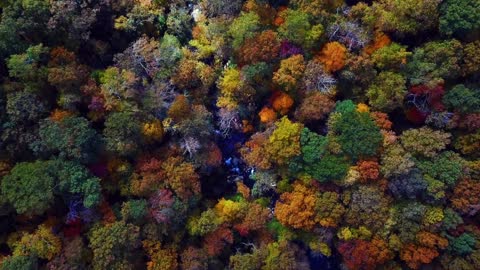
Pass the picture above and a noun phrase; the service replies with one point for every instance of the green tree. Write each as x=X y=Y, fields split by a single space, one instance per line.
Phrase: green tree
x=112 y=245
x=122 y=133
x=459 y=17
x=30 y=67
x=29 y=187
x=387 y=91
x=393 y=56
x=70 y=138
x=23 y=23
x=462 y=99
x=73 y=178
x=434 y=62
x=244 y=27
x=446 y=167
x=298 y=29
x=357 y=134
x=19 y=263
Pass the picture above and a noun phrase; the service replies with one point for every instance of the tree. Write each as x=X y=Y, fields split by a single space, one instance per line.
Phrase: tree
x=434 y=62
x=329 y=209
x=298 y=29
x=415 y=256
x=466 y=196
x=395 y=160
x=357 y=134
x=315 y=106
x=181 y=177
x=361 y=254
x=462 y=99
x=369 y=207
x=233 y=89
x=470 y=58
x=297 y=208
x=21 y=19
x=261 y=48
x=459 y=17
x=70 y=138
x=214 y=8
x=406 y=17
x=112 y=245
x=42 y=244
x=316 y=79
x=425 y=141
x=29 y=68
x=122 y=133
x=73 y=178
x=290 y=72
x=284 y=142
x=120 y=89
x=446 y=167
x=67 y=75
x=29 y=187
x=393 y=56
x=333 y=56
x=409 y=186
x=387 y=91
x=462 y=245
x=369 y=170
x=25 y=107
x=244 y=27
x=19 y=263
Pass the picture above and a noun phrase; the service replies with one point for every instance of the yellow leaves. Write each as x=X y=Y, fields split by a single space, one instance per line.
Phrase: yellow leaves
x=284 y=143
x=433 y=216
x=362 y=107
x=153 y=131
x=290 y=71
x=42 y=243
x=229 y=85
x=229 y=210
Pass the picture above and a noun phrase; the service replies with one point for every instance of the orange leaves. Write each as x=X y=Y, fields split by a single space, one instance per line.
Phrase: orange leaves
x=253 y=152
x=369 y=170
x=267 y=115
x=414 y=256
x=263 y=47
x=431 y=240
x=160 y=258
x=215 y=241
x=58 y=115
x=465 y=195
x=282 y=103
x=297 y=208
x=381 y=40
x=333 y=56
x=361 y=254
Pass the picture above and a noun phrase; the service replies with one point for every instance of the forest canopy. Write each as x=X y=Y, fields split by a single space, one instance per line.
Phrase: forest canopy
x=239 y=134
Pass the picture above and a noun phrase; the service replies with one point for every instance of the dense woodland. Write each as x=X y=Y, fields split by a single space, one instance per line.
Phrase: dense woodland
x=242 y=135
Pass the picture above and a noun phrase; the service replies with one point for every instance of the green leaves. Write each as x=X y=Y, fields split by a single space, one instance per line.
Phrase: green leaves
x=29 y=187
x=458 y=17
x=357 y=134
x=462 y=99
